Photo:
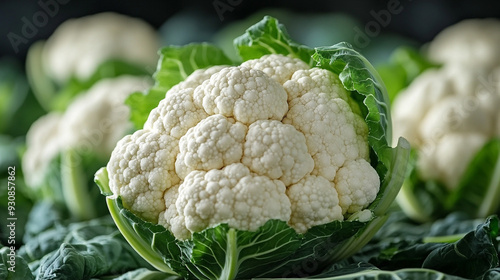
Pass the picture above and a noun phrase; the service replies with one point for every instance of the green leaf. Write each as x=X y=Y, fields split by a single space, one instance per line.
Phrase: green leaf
x=225 y=253
x=13 y=267
x=144 y=274
x=478 y=191
x=465 y=252
x=375 y=274
x=176 y=63
x=270 y=37
x=127 y=223
x=80 y=251
x=471 y=256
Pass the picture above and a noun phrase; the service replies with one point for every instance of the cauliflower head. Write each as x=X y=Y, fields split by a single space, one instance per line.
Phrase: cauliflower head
x=448 y=114
x=470 y=43
x=80 y=45
x=93 y=122
x=270 y=139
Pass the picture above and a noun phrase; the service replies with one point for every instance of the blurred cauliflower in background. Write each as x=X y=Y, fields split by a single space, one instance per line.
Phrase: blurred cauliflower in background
x=79 y=46
x=450 y=116
x=61 y=146
x=472 y=43
x=84 y=50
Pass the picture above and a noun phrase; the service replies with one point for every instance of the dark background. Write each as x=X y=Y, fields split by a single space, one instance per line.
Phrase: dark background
x=420 y=20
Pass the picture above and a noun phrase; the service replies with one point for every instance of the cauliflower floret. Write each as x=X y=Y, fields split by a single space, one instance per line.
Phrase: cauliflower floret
x=213 y=143
x=469 y=43
x=278 y=151
x=246 y=94
x=314 y=80
x=357 y=184
x=169 y=218
x=176 y=114
x=277 y=66
x=232 y=195
x=98 y=38
x=141 y=168
x=329 y=126
x=196 y=78
x=314 y=202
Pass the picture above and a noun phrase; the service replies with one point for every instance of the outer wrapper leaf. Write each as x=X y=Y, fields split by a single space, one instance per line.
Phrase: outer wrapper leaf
x=275 y=249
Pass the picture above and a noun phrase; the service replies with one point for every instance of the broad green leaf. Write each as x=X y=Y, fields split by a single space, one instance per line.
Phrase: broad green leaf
x=176 y=64
x=144 y=274
x=471 y=256
x=13 y=268
x=225 y=253
x=140 y=240
x=85 y=250
x=478 y=191
x=375 y=274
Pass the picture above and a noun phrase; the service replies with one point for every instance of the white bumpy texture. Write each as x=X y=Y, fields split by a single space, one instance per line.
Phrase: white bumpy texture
x=270 y=139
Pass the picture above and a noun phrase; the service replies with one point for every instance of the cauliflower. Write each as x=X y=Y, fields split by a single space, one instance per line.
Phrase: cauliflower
x=249 y=170
x=238 y=145
x=79 y=46
x=471 y=43
x=93 y=123
x=443 y=111
x=449 y=114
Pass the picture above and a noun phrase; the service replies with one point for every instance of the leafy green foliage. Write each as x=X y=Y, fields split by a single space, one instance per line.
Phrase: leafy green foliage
x=221 y=252
x=176 y=63
x=84 y=250
x=13 y=269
